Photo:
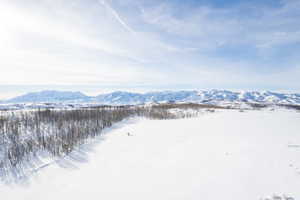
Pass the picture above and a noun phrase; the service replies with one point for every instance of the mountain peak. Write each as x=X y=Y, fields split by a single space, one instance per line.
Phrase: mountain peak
x=48 y=96
x=124 y=98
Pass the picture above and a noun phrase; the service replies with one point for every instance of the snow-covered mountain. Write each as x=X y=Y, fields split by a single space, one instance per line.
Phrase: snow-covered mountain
x=125 y=98
x=204 y=96
x=137 y=98
x=50 y=96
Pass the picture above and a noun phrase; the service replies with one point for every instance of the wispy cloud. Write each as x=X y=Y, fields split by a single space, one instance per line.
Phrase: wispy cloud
x=242 y=24
x=117 y=16
x=150 y=42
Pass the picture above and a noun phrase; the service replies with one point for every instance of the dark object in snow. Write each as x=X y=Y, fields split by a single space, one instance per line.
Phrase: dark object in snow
x=294 y=146
x=278 y=197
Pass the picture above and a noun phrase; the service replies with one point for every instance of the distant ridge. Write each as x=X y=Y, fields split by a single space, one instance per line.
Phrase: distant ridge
x=49 y=96
x=126 y=98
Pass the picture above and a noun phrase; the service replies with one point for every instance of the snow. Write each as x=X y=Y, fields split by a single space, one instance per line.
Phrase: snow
x=125 y=98
x=50 y=96
x=228 y=155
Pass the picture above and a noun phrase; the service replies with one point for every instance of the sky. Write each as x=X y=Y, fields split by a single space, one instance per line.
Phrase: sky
x=100 y=45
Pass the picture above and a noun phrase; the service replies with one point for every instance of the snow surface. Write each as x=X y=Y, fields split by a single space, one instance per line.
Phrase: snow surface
x=226 y=155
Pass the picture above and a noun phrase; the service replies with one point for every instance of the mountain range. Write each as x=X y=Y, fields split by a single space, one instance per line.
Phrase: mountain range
x=126 y=98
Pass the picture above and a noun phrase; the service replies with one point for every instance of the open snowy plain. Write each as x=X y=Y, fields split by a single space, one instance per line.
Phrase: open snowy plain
x=228 y=155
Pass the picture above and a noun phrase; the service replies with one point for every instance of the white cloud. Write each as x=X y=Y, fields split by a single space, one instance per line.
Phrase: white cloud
x=243 y=24
x=126 y=42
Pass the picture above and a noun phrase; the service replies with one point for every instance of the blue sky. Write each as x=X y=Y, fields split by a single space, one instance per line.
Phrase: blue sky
x=149 y=45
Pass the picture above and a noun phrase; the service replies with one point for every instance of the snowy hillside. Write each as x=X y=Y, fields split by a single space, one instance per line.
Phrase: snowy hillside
x=49 y=96
x=123 y=98
x=227 y=155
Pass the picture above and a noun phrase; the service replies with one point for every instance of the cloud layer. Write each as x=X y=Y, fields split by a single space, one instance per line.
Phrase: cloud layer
x=127 y=42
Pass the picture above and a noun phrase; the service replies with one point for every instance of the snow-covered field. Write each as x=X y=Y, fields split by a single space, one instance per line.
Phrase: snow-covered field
x=226 y=155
